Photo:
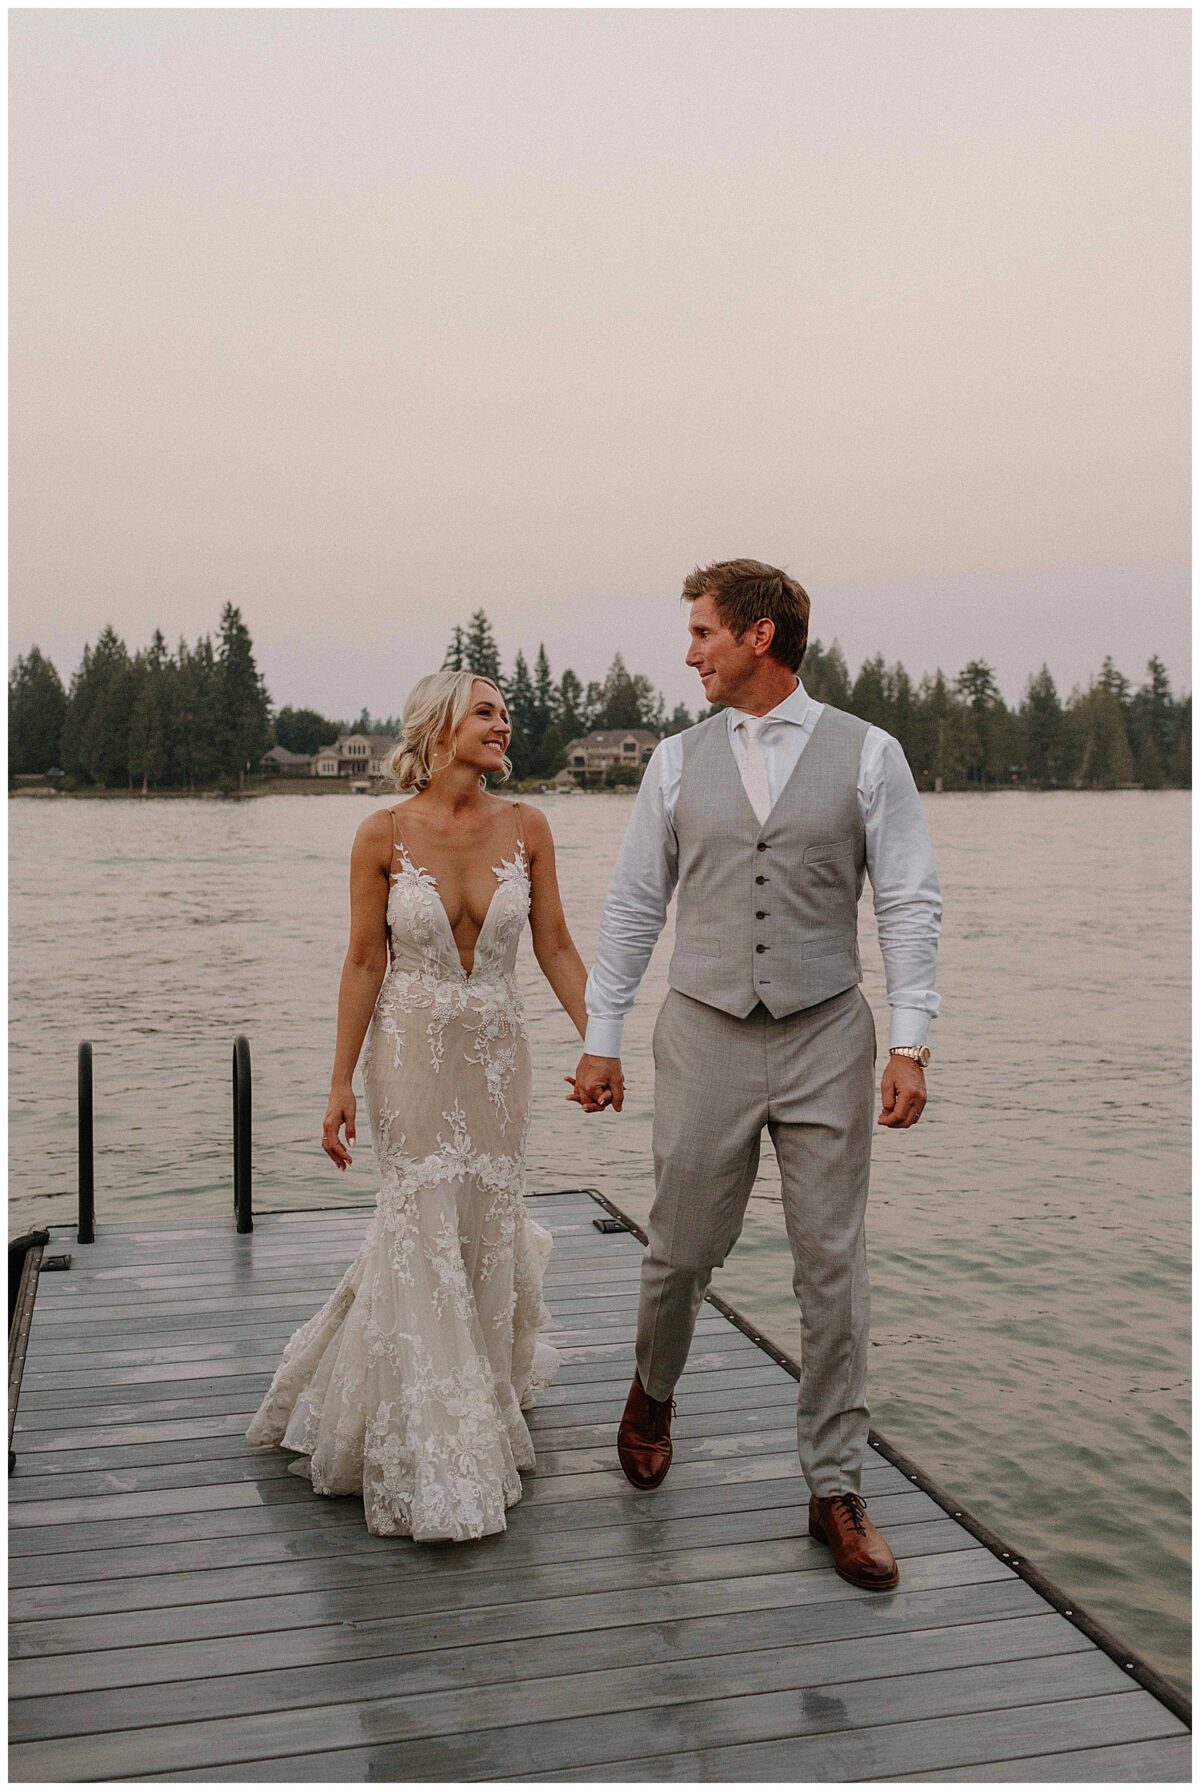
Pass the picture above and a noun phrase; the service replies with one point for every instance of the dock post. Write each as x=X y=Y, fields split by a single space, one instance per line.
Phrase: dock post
x=242 y=1193
x=86 y=1233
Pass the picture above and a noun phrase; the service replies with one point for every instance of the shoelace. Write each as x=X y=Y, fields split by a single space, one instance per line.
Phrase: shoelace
x=855 y=1508
x=663 y=1413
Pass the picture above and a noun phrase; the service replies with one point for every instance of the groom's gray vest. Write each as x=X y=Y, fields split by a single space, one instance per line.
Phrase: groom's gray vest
x=769 y=912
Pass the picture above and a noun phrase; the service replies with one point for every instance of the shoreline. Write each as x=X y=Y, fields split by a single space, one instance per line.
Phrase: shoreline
x=529 y=787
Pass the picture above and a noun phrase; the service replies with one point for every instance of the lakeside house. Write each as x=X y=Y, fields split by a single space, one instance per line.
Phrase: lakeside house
x=598 y=755
x=353 y=756
x=279 y=762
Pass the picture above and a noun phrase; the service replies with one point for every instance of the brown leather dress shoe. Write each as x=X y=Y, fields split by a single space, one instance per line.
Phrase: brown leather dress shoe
x=860 y=1554
x=644 y=1438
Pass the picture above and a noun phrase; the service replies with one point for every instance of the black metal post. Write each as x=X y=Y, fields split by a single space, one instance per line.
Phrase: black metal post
x=86 y=1233
x=242 y=1201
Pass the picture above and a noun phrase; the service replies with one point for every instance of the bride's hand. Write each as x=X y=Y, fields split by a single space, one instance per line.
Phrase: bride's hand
x=340 y=1112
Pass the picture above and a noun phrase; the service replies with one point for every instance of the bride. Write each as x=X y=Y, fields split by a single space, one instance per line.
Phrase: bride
x=408 y=1384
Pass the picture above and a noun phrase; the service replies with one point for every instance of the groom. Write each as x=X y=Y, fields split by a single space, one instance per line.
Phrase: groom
x=766 y=817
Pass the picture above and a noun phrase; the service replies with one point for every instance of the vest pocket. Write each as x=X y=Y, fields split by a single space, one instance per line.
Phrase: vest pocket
x=826 y=945
x=832 y=849
x=698 y=945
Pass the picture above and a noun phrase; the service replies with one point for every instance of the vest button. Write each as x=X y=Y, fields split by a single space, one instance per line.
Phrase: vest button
x=760 y=914
x=760 y=879
x=760 y=948
x=762 y=846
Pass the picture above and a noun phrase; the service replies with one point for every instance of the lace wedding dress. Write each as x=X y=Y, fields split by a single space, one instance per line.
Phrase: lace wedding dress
x=408 y=1384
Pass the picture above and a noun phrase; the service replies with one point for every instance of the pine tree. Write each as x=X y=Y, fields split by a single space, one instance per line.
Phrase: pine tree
x=1104 y=761
x=1151 y=724
x=243 y=715
x=455 y=660
x=95 y=737
x=591 y=708
x=937 y=754
x=813 y=669
x=71 y=739
x=869 y=697
x=152 y=720
x=680 y=718
x=570 y=705
x=976 y=684
x=37 y=708
x=544 y=713
x=620 y=698
x=1114 y=682
x=825 y=675
x=480 y=653
x=197 y=749
x=522 y=702
x=901 y=708
x=1001 y=751
x=1042 y=731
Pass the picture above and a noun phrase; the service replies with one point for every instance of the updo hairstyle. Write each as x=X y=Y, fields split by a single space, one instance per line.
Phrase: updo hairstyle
x=436 y=705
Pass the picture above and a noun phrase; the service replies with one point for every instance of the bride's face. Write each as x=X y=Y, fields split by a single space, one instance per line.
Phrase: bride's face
x=485 y=731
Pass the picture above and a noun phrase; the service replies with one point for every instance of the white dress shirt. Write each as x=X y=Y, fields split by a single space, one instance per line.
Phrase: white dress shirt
x=904 y=884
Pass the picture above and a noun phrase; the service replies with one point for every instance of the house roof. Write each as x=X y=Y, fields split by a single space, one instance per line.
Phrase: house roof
x=377 y=744
x=281 y=755
x=610 y=737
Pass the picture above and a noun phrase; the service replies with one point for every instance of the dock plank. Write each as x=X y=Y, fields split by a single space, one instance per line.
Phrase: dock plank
x=196 y=1696
x=393 y=1629
x=183 y=1606
x=170 y=1587
x=905 y=1671
x=874 y=1752
x=601 y=1737
x=1157 y=1762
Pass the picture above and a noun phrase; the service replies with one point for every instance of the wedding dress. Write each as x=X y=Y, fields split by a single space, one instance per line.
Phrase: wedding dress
x=408 y=1384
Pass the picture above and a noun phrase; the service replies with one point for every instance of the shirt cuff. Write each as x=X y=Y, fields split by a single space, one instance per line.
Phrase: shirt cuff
x=910 y=1026
x=603 y=1035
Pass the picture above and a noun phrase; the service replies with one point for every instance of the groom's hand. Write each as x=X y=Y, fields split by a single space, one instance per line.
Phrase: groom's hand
x=598 y=1084
x=902 y=1093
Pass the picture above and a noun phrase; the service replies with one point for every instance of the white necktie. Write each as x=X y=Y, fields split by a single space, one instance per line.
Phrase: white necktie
x=754 y=767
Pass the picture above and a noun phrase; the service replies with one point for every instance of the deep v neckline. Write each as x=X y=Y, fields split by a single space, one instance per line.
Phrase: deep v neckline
x=426 y=877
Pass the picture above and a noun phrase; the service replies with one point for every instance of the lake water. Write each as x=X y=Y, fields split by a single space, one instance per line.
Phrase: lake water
x=1028 y=1239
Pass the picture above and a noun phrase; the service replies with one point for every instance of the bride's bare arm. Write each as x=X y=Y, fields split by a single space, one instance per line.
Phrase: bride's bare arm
x=553 y=946
x=362 y=975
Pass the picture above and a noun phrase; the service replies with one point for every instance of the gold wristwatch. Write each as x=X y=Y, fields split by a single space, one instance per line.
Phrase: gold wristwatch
x=918 y=1053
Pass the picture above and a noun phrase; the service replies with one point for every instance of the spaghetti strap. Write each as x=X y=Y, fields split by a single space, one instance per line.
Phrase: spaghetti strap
x=520 y=829
x=397 y=837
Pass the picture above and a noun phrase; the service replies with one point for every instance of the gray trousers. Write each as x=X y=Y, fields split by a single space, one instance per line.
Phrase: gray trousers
x=809 y=1079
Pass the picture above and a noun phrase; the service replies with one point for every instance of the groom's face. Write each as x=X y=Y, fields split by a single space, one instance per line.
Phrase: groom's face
x=723 y=662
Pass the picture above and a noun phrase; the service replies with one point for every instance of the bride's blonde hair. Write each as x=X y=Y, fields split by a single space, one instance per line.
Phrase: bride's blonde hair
x=436 y=705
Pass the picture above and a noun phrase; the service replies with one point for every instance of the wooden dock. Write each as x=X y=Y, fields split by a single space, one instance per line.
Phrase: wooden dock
x=183 y=1607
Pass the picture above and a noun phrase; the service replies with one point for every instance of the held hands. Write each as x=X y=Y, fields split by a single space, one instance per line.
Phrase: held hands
x=340 y=1112
x=597 y=1084
x=902 y=1092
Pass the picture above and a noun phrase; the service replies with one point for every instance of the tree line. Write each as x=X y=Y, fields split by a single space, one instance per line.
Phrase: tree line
x=957 y=733
x=195 y=718
x=200 y=716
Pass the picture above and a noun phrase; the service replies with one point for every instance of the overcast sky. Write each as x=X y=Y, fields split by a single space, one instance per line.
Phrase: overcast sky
x=366 y=319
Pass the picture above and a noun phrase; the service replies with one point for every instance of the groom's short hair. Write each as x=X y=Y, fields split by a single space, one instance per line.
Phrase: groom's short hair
x=745 y=592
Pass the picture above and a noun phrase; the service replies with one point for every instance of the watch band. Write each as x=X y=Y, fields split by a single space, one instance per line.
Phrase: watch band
x=918 y=1053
